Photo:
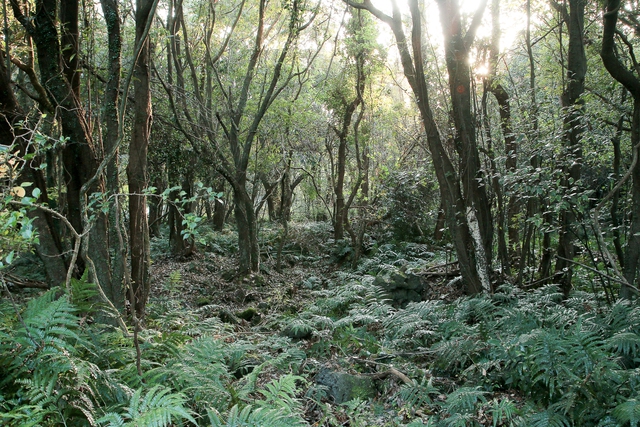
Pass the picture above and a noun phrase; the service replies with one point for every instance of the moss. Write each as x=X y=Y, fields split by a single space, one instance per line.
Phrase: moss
x=248 y=314
x=202 y=301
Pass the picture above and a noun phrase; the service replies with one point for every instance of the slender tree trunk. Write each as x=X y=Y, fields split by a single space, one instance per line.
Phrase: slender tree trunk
x=339 y=213
x=137 y=168
x=49 y=246
x=510 y=147
x=438 y=232
x=503 y=253
x=70 y=43
x=621 y=73
x=632 y=254
x=474 y=183
x=219 y=210
x=156 y=206
x=467 y=213
x=615 y=201
x=576 y=72
x=249 y=259
x=111 y=120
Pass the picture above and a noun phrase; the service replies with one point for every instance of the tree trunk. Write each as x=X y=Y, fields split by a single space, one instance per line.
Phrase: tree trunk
x=137 y=168
x=467 y=214
x=473 y=181
x=632 y=253
x=619 y=72
x=177 y=210
x=111 y=120
x=249 y=250
x=615 y=201
x=49 y=247
x=79 y=157
x=219 y=211
x=156 y=207
x=576 y=71
x=339 y=213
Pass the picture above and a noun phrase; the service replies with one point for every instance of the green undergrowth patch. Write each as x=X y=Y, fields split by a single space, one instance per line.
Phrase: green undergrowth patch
x=514 y=358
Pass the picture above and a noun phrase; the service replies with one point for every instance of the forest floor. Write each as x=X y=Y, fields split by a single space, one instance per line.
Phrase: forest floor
x=266 y=304
x=390 y=341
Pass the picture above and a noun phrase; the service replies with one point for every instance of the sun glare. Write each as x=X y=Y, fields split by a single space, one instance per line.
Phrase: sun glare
x=512 y=21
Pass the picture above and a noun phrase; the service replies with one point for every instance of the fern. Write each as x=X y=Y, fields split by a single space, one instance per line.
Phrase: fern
x=628 y=412
x=457 y=352
x=157 y=408
x=46 y=368
x=548 y=418
x=199 y=371
x=502 y=411
x=250 y=417
x=280 y=393
x=418 y=394
x=458 y=420
x=464 y=400
x=625 y=343
x=84 y=295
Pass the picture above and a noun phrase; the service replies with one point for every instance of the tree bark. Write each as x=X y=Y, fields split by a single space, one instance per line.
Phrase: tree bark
x=510 y=146
x=111 y=120
x=137 y=168
x=576 y=72
x=620 y=73
x=49 y=247
x=79 y=156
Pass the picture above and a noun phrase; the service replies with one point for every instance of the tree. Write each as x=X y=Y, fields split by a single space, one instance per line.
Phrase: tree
x=573 y=129
x=241 y=124
x=626 y=77
x=462 y=186
x=111 y=141
x=347 y=106
x=137 y=168
x=80 y=160
x=506 y=216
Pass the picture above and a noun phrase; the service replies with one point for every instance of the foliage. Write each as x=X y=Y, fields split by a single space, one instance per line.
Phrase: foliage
x=411 y=203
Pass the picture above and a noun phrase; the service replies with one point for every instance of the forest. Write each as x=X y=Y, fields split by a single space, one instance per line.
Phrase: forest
x=320 y=213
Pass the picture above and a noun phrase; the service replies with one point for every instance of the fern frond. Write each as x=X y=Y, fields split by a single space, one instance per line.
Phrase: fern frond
x=464 y=400
x=159 y=407
x=628 y=412
x=457 y=352
x=418 y=394
x=548 y=418
x=625 y=343
x=458 y=420
x=250 y=417
x=280 y=393
x=502 y=411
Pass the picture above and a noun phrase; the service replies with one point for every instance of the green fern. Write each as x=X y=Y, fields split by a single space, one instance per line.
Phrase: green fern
x=418 y=394
x=502 y=411
x=464 y=400
x=458 y=352
x=253 y=417
x=44 y=369
x=628 y=412
x=625 y=343
x=280 y=393
x=159 y=407
x=458 y=420
x=548 y=418
x=199 y=371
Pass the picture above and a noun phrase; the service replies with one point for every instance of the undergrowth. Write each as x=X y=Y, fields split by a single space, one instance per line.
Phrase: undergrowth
x=513 y=358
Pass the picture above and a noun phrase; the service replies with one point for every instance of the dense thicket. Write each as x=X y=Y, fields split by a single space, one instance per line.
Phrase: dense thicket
x=504 y=136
